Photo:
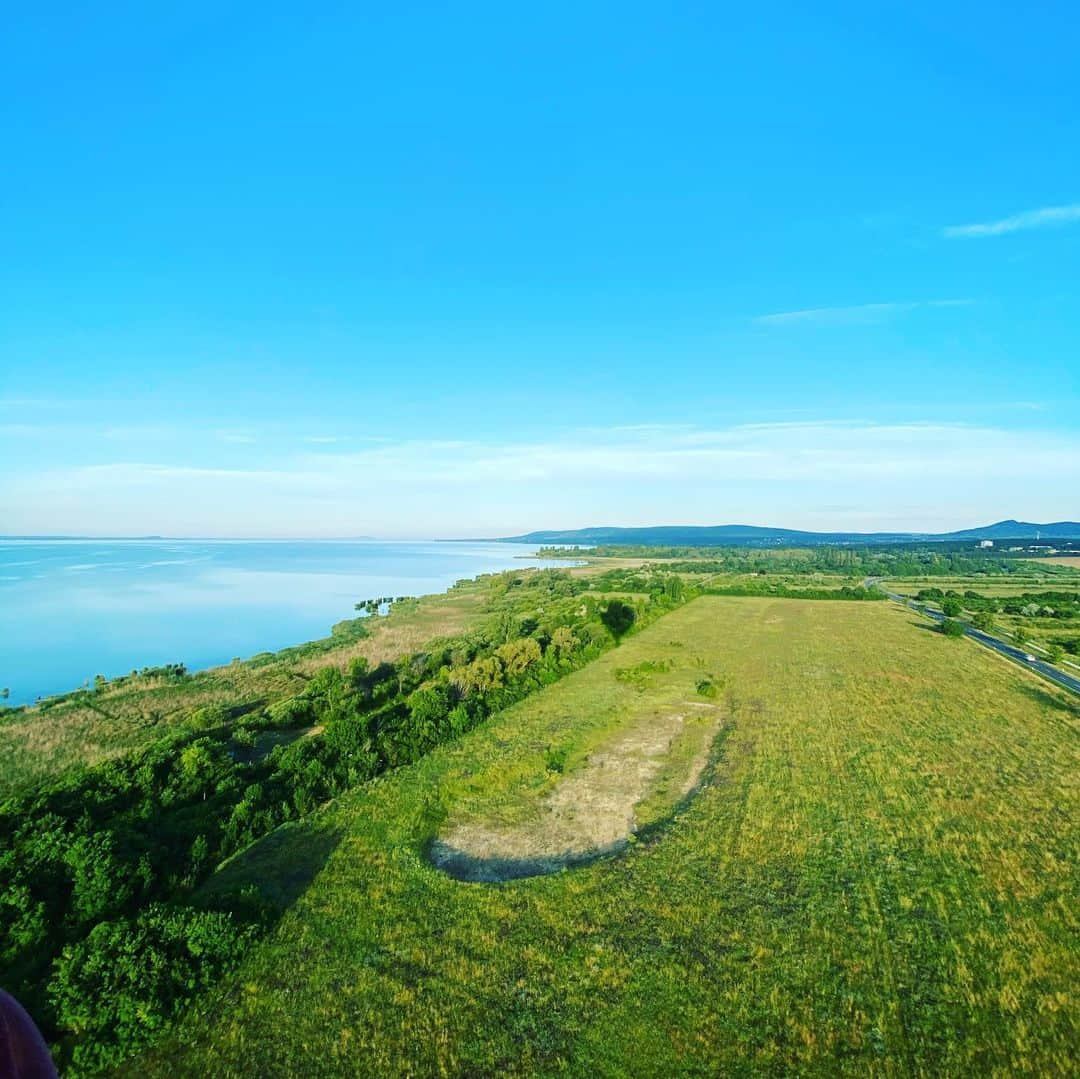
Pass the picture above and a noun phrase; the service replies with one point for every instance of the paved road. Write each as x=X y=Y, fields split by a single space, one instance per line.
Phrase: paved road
x=1003 y=648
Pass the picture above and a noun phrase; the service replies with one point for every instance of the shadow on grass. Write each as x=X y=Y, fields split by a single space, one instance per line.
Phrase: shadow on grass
x=1060 y=699
x=477 y=870
x=275 y=870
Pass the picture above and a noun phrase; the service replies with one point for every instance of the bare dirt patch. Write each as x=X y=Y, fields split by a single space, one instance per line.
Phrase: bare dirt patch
x=590 y=813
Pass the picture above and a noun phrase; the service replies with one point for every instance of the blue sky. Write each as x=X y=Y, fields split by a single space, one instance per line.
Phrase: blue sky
x=472 y=269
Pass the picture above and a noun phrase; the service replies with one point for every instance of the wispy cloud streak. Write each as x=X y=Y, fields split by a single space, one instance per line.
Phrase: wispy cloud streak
x=1047 y=217
x=856 y=313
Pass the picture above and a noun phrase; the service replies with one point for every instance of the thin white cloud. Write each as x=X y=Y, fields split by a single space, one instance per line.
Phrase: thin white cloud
x=839 y=451
x=1047 y=217
x=326 y=440
x=777 y=473
x=244 y=437
x=853 y=314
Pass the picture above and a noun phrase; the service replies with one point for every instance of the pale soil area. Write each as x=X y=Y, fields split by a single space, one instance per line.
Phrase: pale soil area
x=593 y=810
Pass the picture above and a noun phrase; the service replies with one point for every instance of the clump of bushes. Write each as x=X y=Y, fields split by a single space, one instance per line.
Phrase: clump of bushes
x=641 y=675
x=784 y=591
x=555 y=758
x=709 y=686
x=118 y=986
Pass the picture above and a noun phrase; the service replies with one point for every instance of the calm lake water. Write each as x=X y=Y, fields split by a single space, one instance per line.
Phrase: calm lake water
x=71 y=609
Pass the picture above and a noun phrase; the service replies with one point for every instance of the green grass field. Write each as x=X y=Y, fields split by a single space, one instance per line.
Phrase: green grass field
x=878 y=877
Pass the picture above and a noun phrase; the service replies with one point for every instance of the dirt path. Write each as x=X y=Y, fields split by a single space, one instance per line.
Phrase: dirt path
x=591 y=812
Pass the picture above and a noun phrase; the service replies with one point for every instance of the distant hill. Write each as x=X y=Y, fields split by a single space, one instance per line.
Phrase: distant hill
x=754 y=535
x=1020 y=530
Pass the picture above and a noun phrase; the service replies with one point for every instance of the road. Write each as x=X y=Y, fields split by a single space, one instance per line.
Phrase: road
x=1003 y=648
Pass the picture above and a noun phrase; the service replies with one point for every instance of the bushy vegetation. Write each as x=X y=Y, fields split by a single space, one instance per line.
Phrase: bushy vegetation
x=378 y=605
x=784 y=591
x=1051 y=617
x=1046 y=604
x=893 y=560
x=120 y=984
x=87 y=861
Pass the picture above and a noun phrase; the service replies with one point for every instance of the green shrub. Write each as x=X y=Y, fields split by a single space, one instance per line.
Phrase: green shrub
x=209 y=717
x=291 y=712
x=555 y=758
x=641 y=675
x=709 y=687
x=118 y=986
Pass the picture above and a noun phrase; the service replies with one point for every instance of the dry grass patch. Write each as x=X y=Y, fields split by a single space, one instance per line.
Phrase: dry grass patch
x=593 y=810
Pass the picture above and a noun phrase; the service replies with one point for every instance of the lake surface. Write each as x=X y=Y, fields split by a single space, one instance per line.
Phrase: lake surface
x=72 y=609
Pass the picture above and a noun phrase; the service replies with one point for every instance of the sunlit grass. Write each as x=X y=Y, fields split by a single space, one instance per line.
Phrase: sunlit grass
x=880 y=879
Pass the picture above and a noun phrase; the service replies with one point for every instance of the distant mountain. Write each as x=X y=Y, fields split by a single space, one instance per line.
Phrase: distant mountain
x=753 y=535
x=1020 y=530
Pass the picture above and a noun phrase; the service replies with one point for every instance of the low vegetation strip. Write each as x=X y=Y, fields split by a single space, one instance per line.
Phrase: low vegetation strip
x=880 y=880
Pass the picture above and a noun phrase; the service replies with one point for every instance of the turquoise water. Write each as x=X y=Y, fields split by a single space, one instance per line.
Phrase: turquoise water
x=72 y=609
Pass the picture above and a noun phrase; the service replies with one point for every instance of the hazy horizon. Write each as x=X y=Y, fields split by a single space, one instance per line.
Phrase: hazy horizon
x=505 y=535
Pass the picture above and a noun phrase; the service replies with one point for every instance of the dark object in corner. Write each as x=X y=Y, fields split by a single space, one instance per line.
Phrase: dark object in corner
x=23 y=1052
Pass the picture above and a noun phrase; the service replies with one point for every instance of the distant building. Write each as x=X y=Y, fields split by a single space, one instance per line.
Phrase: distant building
x=986 y=543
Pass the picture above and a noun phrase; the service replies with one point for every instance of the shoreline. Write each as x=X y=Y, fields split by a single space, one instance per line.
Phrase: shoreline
x=207 y=616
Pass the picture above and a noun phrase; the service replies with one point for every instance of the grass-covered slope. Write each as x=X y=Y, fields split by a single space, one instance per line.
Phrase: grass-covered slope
x=879 y=878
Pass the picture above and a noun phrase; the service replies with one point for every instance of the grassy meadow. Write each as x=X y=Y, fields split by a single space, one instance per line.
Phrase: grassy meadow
x=878 y=876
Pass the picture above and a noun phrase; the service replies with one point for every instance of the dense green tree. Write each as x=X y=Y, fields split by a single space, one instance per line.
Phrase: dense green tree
x=100 y=882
